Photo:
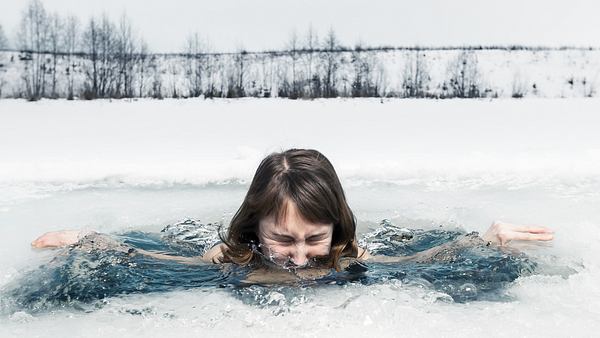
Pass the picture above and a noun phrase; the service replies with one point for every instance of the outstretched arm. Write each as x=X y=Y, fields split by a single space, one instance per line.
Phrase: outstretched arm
x=63 y=238
x=499 y=233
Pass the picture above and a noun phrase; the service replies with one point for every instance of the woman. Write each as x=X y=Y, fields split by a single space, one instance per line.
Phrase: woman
x=295 y=215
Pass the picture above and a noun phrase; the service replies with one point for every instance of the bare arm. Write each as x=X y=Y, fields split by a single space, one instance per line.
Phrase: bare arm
x=499 y=233
x=364 y=255
x=63 y=238
x=212 y=256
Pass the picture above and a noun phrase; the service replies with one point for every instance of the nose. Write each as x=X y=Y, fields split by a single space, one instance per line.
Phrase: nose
x=299 y=256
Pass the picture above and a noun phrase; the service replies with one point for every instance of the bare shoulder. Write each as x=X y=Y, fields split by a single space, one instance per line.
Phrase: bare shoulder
x=363 y=254
x=215 y=254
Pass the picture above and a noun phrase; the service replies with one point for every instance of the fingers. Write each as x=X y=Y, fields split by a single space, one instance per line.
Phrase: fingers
x=44 y=242
x=39 y=242
x=55 y=239
x=506 y=232
x=526 y=236
x=532 y=229
x=536 y=229
x=51 y=239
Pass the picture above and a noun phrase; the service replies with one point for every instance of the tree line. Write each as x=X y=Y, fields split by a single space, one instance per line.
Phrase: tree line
x=63 y=58
x=108 y=55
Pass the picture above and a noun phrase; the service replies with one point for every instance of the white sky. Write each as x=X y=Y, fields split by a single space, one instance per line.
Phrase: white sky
x=267 y=24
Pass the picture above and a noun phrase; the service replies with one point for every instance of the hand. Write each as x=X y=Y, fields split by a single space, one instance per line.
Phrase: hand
x=57 y=239
x=502 y=233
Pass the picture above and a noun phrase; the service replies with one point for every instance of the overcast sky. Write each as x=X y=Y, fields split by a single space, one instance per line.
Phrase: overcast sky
x=267 y=24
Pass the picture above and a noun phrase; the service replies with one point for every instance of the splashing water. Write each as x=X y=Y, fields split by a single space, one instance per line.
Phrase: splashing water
x=100 y=267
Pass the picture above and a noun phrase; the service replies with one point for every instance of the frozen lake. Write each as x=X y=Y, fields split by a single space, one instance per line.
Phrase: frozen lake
x=123 y=165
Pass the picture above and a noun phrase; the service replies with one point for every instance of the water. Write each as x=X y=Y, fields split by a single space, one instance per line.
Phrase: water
x=102 y=266
x=170 y=297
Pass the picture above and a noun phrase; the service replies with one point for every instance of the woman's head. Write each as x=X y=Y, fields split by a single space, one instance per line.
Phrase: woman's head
x=296 y=210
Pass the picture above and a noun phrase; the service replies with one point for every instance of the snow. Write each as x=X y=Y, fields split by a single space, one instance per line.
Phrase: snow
x=198 y=141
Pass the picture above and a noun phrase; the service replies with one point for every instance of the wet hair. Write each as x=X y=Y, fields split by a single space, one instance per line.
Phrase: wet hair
x=306 y=178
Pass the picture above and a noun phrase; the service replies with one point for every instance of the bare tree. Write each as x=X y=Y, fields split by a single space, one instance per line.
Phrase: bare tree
x=157 y=81
x=55 y=33
x=125 y=56
x=143 y=63
x=381 y=80
x=91 y=45
x=107 y=70
x=415 y=78
x=331 y=48
x=267 y=61
x=33 y=39
x=173 y=72
x=364 y=67
x=465 y=80
x=311 y=44
x=70 y=38
x=293 y=46
x=194 y=64
x=211 y=70
x=99 y=41
x=236 y=76
x=225 y=75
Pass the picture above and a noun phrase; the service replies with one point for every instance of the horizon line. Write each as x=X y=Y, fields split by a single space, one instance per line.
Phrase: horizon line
x=508 y=47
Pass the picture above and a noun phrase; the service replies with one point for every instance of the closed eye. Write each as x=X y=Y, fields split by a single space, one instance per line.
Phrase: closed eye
x=316 y=238
x=283 y=239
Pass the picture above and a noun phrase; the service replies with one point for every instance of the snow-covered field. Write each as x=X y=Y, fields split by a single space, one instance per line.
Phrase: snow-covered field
x=143 y=164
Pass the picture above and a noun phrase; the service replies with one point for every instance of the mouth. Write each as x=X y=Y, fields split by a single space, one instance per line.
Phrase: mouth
x=288 y=264
x=285 y=262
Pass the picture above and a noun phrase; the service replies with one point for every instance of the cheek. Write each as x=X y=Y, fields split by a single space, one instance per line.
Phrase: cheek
x=272 y=247
x=320 y=249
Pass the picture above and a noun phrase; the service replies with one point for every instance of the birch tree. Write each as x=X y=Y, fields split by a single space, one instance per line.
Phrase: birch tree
x=91 y=45
x=55 y=46
x=125 y=58
x=311 y=45
x=33 y=39
x=293 y=47
x=143 y=65
x=331 y=48
x=70 y=43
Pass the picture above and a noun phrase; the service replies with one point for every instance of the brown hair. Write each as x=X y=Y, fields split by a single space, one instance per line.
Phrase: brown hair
x=306 y=178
